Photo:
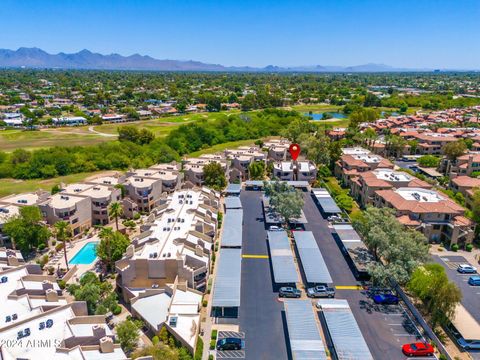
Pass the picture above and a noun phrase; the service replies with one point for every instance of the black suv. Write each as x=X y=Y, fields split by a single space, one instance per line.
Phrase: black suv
x=229 y=344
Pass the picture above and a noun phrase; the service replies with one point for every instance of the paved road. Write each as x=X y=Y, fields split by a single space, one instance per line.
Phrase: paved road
x=471 y=294
x=260 y=314
x=385 y=329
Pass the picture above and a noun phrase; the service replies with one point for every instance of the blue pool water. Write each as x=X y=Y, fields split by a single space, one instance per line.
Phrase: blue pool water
x=86 y=255
x=319 y=116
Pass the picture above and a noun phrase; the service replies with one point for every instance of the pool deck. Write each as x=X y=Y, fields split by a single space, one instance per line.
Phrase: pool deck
x=72 y=249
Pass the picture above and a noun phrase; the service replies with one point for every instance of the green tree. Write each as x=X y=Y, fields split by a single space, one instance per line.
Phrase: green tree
x=27 y=231
x=63 y=233
x=115 y=209
x=454 y=149
x=439 y=295
x=316 y=147
x=128 y=335
x=296 y=128
x=399 y=250
x=429 y=161
x=112 y=246
x=284 y=200
x=98 y=295
x=214 y=176
x=256 y=170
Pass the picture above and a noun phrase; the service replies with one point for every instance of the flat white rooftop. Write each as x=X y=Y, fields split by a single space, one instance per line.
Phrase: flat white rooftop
x=106 y=180
x=22 y=199
x=420 y=195
x=7 y=211
x=174 y=223
x=355 y=151
x=367 y=158
x=62 y=201
x=392 y=176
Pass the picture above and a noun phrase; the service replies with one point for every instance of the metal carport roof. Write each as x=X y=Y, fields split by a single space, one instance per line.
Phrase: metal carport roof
x=303 y=332
x=346 y=336
x=232 y=228
x=326 y=202
x=232 y=202
x=283 y=265
x=233 y=189
x=346 y=232
x=226 y=288
x=313 y=264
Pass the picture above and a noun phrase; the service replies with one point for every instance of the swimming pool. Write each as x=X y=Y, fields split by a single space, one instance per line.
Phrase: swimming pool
x=86 y=255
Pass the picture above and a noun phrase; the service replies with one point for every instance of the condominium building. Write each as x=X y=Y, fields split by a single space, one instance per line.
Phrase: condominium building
x=144 y=188
x=295 y=171
x=176 y=244
x=438 y=217
x=10 y=206
x=10 y=258
x=101 y=197
x=350 y=165
x=467 y=186
x=241 y=158
x=193 y=167
x=364 y=186
x=170 y=174
x=278 y=149
x=432 y=143
x=463 y=165
x=74 y=209
x=37 y=321
x=175 y=307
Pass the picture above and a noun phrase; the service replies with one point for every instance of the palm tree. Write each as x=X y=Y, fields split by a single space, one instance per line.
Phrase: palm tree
x=106 y=234
x=63 y=232
x=116 y=211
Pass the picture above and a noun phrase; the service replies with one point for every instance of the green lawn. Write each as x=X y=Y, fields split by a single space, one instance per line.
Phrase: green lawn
x=221 y=147
x=14 y=186
x=316 y=108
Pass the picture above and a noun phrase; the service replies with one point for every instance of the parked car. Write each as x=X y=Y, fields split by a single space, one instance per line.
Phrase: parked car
x=474 y=280
x=321 y=291
x=385 y=299
x=466 y=269
x=289 y=292
x=226 y=344
x=469 y=344
x=418 y=349
x=334 y=218
x=275 y=228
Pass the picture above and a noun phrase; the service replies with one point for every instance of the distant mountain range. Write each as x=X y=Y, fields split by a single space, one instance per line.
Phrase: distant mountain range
x=85 y=59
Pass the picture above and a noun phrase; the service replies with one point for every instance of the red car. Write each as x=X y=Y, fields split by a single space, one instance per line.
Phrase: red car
x=418 y=349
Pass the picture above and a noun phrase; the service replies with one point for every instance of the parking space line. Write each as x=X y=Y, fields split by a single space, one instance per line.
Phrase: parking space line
x=349 y=287
x=246 y=256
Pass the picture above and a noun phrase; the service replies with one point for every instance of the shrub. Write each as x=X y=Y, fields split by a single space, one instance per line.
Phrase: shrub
x=117 y=310
x=51 y=270
x=199 y=349
x=442 y=357
x=54 y=242
x=204 y=303
x=61 y=284
x=454 y=247
x=210 y=357
x=41 y=247
x=155 y=340
x=469 y=247
x=59 y=246
x=136 y=216
x=213 y=336
x=212 y=344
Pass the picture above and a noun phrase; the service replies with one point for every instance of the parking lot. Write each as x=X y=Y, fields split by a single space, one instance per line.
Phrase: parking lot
x=385 y=328
x=260 y=314
x=261 y=318
x=471 y=294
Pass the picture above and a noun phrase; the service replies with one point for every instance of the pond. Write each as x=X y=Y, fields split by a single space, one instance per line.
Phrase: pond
x=319 y=116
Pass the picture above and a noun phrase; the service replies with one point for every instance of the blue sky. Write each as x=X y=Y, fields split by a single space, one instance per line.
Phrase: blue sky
x=402 y=33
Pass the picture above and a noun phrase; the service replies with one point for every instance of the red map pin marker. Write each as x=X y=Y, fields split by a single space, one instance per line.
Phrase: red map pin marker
x=294 y=151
